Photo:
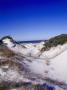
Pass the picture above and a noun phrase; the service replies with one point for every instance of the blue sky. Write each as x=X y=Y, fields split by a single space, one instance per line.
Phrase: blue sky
x=33 y=19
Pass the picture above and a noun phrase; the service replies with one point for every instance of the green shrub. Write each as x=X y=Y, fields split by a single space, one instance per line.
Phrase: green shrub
x=58 y=40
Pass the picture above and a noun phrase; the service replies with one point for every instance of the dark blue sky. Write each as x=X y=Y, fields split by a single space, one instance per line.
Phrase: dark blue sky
x=33 y=19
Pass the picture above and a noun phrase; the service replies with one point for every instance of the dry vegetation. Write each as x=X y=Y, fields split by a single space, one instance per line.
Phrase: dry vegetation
x=7 y=86
x=4 y=51
x=10 y=61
